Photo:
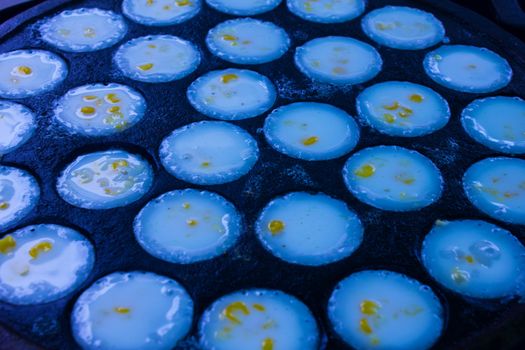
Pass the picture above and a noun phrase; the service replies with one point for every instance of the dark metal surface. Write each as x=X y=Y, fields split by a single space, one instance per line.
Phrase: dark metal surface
x=392 y=240
x=511 y=12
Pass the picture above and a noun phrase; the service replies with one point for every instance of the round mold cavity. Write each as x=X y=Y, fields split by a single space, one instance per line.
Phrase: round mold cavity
x=393 y=178
x=19 y=195
x=247 y=41
x=26 y=73
x=475 y=258
x=187 y=226
x=43 y=263
x=309 y=229
x=468 y=68
x=397 y=108
x=132 y=310
x=232 y=94
x=311 y=131
x=17 y=125
x=209 y=153
x=160 y=13
x=496 y=186
x=83 y=30
x=157 y=58
x=105 y=180
x=338 y=60
x=100 y=109
x=327 y=11
x=404 y=28
x=497 y=123
x=250 y=317
x=385 y=310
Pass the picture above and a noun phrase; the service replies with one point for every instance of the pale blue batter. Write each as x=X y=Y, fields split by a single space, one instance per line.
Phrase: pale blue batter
x=186 y=226
x=209 y=153
x=232 y=94
x=132 y=310
x=393 y=178
x=468 y=68
x=404 y=109
x=247 y=41
x=338 y=60
x=475 y=258
x=43 y=263
x=258 y=319
x=497 y=122
x=496 y=186
x=311 y=131
x=309 y=229
x=384 y=310
x=403 y=28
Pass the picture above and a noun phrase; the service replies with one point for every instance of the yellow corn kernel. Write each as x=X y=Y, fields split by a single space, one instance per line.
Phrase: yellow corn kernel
x=42 y=247
x=366 y=170
x=145 y=67
x=392 y=107
x=389 y=118
x=226 y=78
x=121 y=125
x=167 y=7
x=114 y=109
x=88 y=110
x=267 y=344
x=64 y=32
x=459 y=276
x=405 y=112
x=259 y=307
x=417 y=98
x=152 y=46
x=308 y=7
x=4 y=205
x=234 y=307
x=7 y=244
x=365 y=326
x=339 y=70
x=149 y=2
x=186 y=205
x=183 y=2
x=25 y=70
x=191 y=222
x=229 y=37
x=414 y=311
x=382 y=26
x=469 y=259
x=310 y=141
x=119 y=163
x=122 y=310
x=275 y=227
x=205 y=164
x=368 y=307
x=113 y=98
x=89 y=98
x=89 y=32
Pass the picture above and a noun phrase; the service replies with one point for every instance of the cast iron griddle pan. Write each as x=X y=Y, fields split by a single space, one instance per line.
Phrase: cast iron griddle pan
x=392 y=240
